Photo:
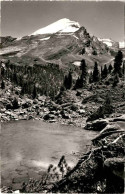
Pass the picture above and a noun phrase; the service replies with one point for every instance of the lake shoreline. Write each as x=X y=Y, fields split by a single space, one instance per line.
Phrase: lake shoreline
x=73 y=137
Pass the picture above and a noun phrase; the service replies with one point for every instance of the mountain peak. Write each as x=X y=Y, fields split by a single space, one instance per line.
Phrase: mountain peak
x=63 y=25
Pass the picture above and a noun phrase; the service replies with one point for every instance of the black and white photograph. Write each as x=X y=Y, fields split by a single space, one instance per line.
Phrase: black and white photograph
x=62 y=96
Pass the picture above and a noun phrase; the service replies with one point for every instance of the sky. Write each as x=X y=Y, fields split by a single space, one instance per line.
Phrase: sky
x=102 y=19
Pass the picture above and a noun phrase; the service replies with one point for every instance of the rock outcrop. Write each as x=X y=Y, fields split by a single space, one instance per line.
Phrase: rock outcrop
x=96 y=125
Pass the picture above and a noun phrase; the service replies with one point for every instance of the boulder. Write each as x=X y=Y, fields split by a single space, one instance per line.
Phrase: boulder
x=52 y=121
x=66 y=104
x=96 y=125
x=78 y=93
x=110 y=127
x=6 y=189
x=102 y=112
x=2 y=110
x=121 y=118
x=53 y=112
x=54 y=107
x=9 y=106
x=30 y=117
x=42 y=98
x=35 y=101
x=116 y=166
x=74 y=107
x=92 y=98
x=65 y=114
x=8 y=112
x=41 y=114
x=25 y=105
x=49 y=116
x=81 y=111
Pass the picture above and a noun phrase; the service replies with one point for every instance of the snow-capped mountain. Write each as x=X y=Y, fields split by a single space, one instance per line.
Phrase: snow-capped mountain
x=63 y=26
x=61 y=42
x=109 y=42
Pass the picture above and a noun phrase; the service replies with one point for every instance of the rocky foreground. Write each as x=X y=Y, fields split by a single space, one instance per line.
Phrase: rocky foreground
x=69 y=107
x=101 y=169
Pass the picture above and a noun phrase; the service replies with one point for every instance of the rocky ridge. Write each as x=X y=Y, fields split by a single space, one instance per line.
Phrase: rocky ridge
x=59 y=47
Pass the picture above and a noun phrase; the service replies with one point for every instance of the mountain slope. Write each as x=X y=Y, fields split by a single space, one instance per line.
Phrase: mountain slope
x=63 y=42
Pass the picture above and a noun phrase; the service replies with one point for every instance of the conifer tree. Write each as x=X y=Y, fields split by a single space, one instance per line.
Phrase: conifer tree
x=79 y=83
x=104 y=72
x=2 y=85
x=23 y=90
x=65 y=81
x=110 y=68
x=94 y=52
x=123 y=70
x=118 y=63
x=34 y=92
x=15 y=78
x=2 y=71
x=101 y=72
x=116 y=80
x=15 y=103
x=68 y=81
x=83 y=67
x=90 y=77
x=95 y=73
x=83 y=51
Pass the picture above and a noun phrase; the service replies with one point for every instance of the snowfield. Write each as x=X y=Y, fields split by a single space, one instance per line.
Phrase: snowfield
x=62 y=25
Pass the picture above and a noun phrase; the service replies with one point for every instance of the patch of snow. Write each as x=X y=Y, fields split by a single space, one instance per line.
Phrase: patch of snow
x=47 y=38
x=19 y=38
x=122 y=44
x=106 y=41
x=62 y=34
x=77 y=63
x=17 y=191
x=75 y=37
x=63 y=25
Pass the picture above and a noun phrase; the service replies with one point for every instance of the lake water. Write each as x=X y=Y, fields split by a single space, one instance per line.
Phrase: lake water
x=28 y=147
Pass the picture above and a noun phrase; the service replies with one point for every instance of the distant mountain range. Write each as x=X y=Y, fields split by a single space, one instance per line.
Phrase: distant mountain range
x=62 y=42
x=109 y=42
